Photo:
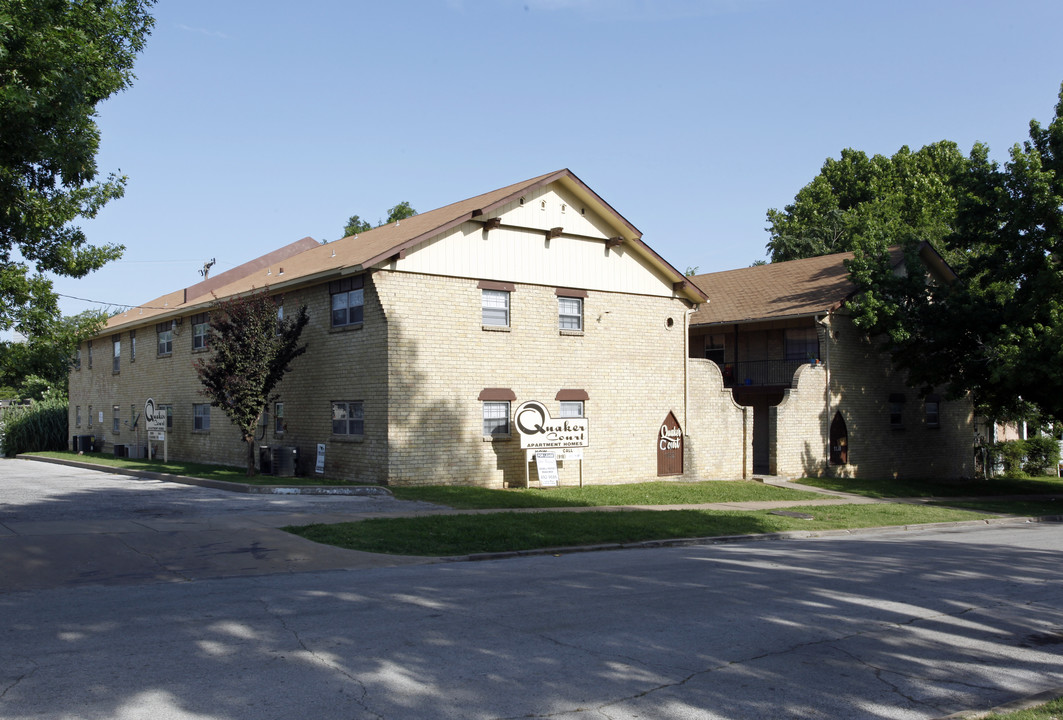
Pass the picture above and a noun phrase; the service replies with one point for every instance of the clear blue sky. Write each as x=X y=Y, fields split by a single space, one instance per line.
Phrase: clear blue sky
x=253 y=124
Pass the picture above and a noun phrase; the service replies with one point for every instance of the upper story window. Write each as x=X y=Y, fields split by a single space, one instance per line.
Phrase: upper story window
x=116 y=419
x=77 y=416
x=200 y=331
x=90 y=354
x=348 y=301
x=714 y=348
x=494 y=303
x=116 y=360
x=570 y=309
x=164 y=330
x=132 y=345
x=90 y=417
x=77 y=358
x=802 y=344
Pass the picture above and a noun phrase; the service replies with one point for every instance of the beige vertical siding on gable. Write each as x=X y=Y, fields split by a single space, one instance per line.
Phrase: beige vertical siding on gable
x=525 y=256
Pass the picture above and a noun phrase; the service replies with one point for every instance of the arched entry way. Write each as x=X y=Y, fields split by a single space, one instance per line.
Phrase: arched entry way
x=839 y=441
x=761 y=399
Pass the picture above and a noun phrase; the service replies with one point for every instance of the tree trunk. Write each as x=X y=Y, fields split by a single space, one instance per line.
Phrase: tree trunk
x=250 y=454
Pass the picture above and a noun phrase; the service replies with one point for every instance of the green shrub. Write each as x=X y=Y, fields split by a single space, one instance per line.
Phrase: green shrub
x=41 y=426
x=1010 y=454
x=1042 y=455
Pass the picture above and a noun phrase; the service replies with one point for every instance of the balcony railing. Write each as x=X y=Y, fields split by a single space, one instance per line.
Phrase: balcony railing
x=754 y=373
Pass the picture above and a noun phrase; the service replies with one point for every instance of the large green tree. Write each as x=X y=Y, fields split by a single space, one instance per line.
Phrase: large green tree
x=252 y=348
x=40 y=363
x=856 y=198
x=997 y=331
x=58 y=60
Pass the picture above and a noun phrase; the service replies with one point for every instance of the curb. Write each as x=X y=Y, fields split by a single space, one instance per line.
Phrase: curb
x=363 y=490
x=1007 y=708
x=761 y=537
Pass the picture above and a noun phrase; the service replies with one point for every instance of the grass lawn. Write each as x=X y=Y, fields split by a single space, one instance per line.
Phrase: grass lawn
x=442 y=535
x=1049 y=711
x=654 y=493
x=888 y=488
x=198 y=470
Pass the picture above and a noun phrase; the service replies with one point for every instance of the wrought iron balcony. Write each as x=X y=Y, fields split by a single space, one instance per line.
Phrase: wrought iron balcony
x=760 y=373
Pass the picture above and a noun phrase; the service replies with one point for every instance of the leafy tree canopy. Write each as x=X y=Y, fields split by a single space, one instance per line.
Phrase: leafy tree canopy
x=857 y=198
x=251 y=351
x=41 y=363
x=356 y=224
x=997 y=331
x=58 y=60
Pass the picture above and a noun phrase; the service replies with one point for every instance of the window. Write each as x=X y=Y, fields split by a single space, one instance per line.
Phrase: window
x=348 y=301
x=132 y=414
x=132 y=345
x=116 y=420
x=200 y=331
x=496 y=418
x=494 y=305
x=200 y=417
x=169 y=415
x=714 y=348
x=77 y=358
x=933 y=411
x=90 y=354
x=280 y=313
x=77 y=416
x=897 y=410
x=278 y=417
x=570 y=313
x=802 y=344
x=348 y=418
x=116 y=360
x=572 y=408
x=90 y=417
x=165 y=333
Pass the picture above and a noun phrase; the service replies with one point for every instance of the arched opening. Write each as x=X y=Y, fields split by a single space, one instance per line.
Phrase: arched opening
x=839 y=441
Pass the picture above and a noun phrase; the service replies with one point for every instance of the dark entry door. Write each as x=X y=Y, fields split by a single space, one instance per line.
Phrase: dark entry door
x=670 y=447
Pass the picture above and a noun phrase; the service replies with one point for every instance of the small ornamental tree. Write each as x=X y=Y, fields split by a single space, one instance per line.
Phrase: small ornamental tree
x=251 y=350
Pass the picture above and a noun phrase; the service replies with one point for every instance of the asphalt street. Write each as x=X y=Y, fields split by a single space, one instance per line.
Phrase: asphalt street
x=895 y=625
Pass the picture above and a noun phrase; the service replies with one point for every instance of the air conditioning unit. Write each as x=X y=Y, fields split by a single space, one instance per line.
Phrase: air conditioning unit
x=283 y=460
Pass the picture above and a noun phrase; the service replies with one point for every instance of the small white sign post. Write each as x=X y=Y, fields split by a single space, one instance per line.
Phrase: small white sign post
x=155 y=417
x=546 y=464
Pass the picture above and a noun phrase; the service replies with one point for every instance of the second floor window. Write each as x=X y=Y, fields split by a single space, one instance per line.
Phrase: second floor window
x=117 y=358
x=494 y=307
x=802 y=344
x=570 y=313
x=200 y=331
x=165 y=333
x=348 y=301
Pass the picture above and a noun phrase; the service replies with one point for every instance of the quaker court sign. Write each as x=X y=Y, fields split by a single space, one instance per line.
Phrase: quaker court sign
x=538 y=431
x=544 y=437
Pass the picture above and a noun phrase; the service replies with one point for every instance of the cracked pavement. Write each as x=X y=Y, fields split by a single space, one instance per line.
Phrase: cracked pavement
x=912 y=625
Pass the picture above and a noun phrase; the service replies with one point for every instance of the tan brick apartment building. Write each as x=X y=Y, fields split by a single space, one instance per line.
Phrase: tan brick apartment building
x=425 y=335
x=821 y=398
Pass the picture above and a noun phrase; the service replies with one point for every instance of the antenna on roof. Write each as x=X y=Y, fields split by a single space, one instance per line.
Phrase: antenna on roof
x=206 y=268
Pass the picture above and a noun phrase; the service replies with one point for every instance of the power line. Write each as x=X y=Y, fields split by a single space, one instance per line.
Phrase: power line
x=111 y=304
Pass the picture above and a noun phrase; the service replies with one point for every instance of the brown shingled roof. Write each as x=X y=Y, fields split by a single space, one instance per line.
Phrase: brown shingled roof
x=313 y=261
x=774 y=291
